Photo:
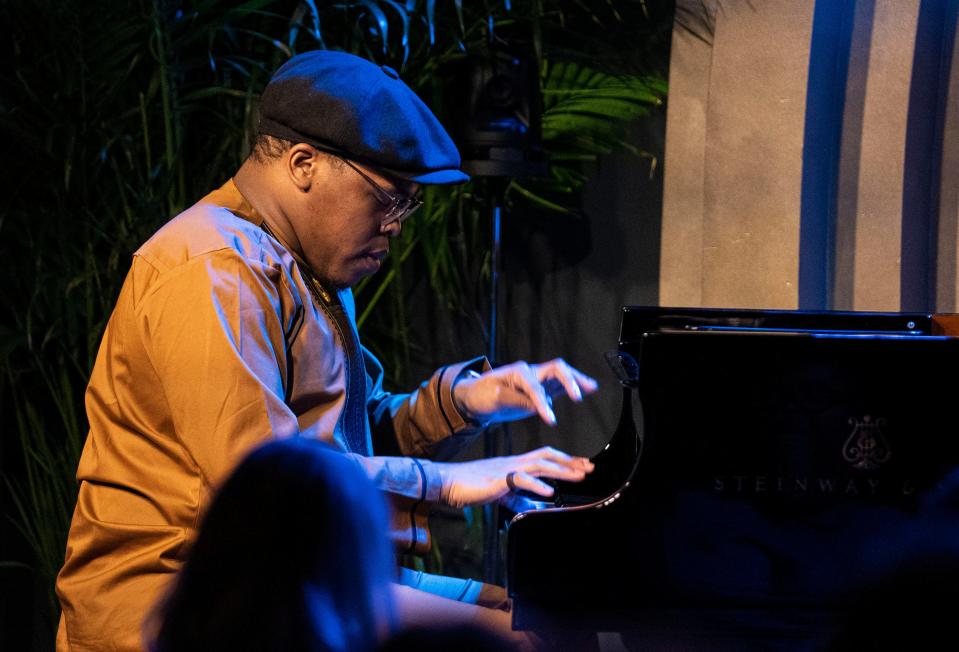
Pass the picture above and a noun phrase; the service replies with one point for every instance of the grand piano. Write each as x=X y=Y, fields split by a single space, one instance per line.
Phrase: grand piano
x=768 y=469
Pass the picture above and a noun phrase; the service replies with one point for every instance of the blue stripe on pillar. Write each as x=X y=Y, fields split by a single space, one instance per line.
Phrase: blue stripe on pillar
x=928 y=93
x=829 y=51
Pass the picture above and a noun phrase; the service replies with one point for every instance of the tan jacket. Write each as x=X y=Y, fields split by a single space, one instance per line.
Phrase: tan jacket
x=217 y=343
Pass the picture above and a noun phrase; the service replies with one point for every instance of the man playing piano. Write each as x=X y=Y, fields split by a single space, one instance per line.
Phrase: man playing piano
x=236 y=324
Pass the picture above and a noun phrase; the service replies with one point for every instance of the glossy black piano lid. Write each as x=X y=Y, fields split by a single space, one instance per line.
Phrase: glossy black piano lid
x=780 y=473
x=638 y=320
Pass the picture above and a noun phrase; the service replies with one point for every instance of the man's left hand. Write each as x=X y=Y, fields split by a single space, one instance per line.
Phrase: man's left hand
x=519 y=390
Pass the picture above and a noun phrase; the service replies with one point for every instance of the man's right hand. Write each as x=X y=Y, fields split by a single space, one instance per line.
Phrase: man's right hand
x=483 y=481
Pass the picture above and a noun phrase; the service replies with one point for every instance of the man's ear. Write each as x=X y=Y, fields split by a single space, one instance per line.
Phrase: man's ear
x=301 y=165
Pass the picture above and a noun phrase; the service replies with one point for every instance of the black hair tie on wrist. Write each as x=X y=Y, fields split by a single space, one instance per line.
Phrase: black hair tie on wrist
x=511 y=480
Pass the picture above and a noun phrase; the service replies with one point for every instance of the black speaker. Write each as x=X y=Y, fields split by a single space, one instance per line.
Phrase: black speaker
x=495 y=114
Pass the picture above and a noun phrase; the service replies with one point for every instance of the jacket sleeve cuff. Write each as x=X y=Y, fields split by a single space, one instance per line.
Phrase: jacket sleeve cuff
x=454 y=372
x=434 y=481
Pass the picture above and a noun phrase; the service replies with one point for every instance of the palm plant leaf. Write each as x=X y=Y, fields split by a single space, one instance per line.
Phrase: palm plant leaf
x=587 y=113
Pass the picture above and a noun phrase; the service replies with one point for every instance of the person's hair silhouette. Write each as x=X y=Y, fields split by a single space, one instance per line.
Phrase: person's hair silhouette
x=292 y=555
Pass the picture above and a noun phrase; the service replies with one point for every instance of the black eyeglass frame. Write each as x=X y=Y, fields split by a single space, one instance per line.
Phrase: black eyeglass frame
x=398 y=207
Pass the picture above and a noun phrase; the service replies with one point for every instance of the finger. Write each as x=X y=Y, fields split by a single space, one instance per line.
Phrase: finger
x=526 y=382
x=558 y=456
x=557 y=371
x=574 y=381
x=587 y=384
x=584 y=383
x=526 y=482
x=550 y=469
x=544 y=466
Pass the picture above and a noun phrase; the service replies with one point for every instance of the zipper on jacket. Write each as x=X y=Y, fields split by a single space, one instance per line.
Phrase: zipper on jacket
x=289 y=338
x=352 y=420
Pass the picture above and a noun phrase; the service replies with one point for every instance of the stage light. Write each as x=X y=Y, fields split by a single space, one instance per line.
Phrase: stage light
x=495 y=120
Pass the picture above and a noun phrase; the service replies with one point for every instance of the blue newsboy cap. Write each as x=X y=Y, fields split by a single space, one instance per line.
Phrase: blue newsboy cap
x=341 y=103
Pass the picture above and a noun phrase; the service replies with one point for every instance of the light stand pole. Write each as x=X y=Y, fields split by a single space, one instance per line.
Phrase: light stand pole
x=494 y=275
x=499 y=173
x=491 y=534
x=498 y=132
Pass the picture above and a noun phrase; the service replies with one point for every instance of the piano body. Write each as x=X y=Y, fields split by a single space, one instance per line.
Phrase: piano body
x=767 y=466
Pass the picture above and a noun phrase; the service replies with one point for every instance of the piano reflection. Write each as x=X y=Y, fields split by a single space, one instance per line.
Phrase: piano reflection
x=767 y=466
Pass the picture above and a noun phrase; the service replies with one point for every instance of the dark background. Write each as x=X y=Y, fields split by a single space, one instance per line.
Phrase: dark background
x=94 y=162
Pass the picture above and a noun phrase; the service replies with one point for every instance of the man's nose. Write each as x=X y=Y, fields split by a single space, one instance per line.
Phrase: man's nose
x=392 y=229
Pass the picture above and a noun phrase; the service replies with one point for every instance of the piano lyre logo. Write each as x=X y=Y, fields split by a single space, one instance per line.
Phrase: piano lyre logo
x=866 y=448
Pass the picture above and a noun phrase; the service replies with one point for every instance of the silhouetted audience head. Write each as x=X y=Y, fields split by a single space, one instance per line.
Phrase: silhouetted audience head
x=458 y=638
x=292 y=555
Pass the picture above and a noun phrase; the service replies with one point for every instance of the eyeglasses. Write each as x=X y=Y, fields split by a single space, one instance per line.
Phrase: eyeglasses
x=397 y=207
